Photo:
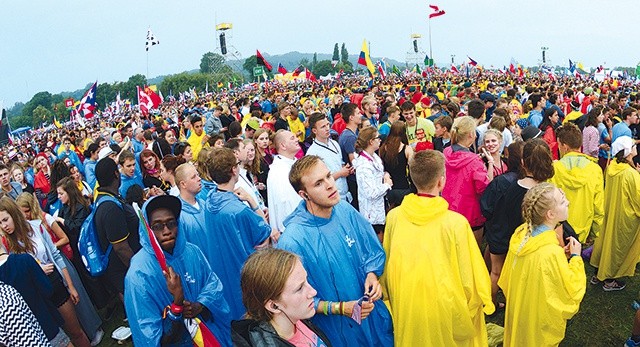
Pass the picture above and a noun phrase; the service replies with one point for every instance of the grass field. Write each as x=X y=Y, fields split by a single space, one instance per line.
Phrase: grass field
x=604 y=319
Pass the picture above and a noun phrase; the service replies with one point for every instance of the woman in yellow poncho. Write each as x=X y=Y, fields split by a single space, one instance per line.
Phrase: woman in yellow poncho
x=543 y=289
x=617 y=251
x=434 y=277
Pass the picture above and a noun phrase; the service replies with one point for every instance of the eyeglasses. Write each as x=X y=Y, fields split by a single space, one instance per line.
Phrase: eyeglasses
x=160 y=226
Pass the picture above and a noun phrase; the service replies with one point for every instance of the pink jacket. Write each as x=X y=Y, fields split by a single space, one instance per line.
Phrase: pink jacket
x=467 y=179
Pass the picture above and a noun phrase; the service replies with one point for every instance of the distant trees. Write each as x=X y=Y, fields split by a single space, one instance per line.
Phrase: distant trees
x=336 y=53
x=344 y=53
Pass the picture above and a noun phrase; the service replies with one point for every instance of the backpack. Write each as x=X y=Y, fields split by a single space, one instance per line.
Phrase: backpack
x=94 y=260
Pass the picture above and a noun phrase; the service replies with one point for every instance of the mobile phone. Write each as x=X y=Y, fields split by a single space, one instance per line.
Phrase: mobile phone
x=146 y=192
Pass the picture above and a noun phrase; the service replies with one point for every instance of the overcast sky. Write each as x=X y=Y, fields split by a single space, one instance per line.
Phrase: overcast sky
x=61 y=46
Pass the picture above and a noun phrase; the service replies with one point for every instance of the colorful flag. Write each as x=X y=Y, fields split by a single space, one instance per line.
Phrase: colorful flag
x=512 y=66
x=572 y=66
x=147 y=99
x=417 y=68
x=580 y=66
x=157 y=251
x=220 y=84
x=87 y=104
x=56 y=123
x=339 y=73
x=436 y=11
x=297 y=71
x=262 y=61
x=310 y=76
x=395 y=70
x=151 y=40
x=454 y=69
x=68 y=103
x=428 y=61
x=281 y=69
x=118 y=103
x=383 y=74
x=472 y=62
x=365 y=59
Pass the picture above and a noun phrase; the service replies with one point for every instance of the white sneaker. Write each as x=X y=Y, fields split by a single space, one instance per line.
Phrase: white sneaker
x=98 y=338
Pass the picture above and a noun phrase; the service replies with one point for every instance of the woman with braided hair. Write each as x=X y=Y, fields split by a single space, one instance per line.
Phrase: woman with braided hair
x=543 y=279
x=537 y=166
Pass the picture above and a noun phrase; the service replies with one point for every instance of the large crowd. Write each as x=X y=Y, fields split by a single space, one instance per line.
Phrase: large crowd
x=327 y=213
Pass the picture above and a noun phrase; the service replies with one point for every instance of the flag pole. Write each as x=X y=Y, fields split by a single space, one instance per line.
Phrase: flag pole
x=430 y=52
x=147 y=64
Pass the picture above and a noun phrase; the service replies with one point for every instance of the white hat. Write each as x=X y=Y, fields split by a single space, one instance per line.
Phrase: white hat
x=622 y=143
x=105 y=152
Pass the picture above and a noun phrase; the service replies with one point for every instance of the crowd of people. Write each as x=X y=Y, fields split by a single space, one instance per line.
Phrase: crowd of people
x=327 y=213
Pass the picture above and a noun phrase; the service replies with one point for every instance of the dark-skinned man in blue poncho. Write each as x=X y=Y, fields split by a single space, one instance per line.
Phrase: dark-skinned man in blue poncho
x=157 y=301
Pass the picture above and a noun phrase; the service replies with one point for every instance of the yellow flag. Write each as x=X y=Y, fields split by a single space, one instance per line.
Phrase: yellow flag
x=365 y=59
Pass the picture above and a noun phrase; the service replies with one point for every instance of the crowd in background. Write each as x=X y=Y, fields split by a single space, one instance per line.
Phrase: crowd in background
x=287 y=213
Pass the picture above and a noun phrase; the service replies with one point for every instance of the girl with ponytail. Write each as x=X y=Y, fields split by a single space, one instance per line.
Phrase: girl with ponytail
x=542 y=280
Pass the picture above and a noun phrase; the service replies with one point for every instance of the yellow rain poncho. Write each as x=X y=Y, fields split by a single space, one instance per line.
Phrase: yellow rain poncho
x=542 y=290
x=617 y=251
x=582 y=183
x=435 y=278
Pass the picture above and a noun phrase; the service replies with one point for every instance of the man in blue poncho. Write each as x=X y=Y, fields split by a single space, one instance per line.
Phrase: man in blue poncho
x=129 y=175
x=67 y=152
x=342 y=256
x=192 y=215
x=159 y=303
x=233 y=230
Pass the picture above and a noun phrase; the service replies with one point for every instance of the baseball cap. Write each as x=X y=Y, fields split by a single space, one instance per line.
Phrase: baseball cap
x=105 y=152
x=169 y=202
x=530 y=132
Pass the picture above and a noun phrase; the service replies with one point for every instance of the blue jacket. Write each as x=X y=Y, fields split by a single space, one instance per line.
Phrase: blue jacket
x=338 y=253
x=207 y=186
x=232 y=231
x=137 y=146
x=146 y=294
x=90 y=172
x=126 y=182
x=192 y=221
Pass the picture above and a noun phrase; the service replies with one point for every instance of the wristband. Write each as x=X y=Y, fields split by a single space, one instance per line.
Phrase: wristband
x=174 y=316
x=255 y=209
x=176 y=309
x=573 y=255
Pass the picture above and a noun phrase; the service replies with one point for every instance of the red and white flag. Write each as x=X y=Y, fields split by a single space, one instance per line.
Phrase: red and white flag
x=436 y=11
x=310 y=76
x=88 y=103
x=454 y=69
x=147 y=99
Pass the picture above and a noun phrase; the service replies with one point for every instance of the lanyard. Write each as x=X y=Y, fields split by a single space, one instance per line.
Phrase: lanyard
x=333 y=150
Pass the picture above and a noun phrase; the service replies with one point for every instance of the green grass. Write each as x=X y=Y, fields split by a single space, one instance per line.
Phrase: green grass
x=604 y=318
x=112 y=325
